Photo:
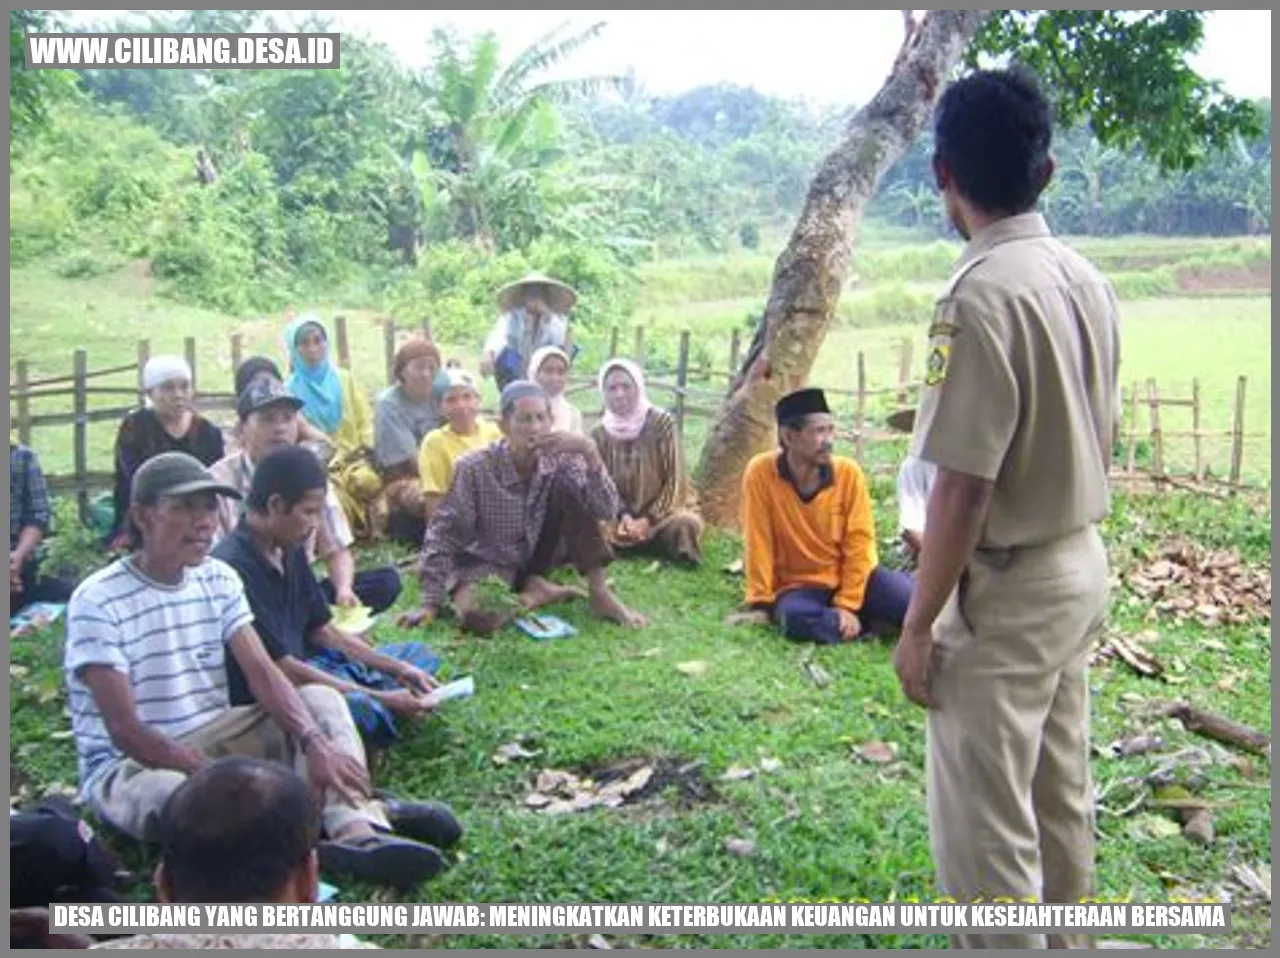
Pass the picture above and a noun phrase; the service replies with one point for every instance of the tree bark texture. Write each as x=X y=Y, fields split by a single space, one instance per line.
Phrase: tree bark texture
x=811 y=271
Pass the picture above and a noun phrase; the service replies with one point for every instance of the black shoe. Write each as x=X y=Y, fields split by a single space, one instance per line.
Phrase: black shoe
x=429 y=822
x=383 y=860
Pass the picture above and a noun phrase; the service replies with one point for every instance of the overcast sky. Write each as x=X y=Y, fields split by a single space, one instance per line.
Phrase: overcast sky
x=835 y=57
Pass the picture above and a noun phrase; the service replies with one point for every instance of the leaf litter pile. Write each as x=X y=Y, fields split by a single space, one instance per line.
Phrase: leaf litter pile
x=628 y=782
x=1184 y=581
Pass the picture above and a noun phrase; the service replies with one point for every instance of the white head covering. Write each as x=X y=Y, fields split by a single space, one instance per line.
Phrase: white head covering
x=162 y=369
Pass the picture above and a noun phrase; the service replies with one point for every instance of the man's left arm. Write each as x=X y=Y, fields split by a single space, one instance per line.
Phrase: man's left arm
x=859 y=552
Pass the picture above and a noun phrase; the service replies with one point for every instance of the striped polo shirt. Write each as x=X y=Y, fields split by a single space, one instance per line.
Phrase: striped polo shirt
x=169 y=640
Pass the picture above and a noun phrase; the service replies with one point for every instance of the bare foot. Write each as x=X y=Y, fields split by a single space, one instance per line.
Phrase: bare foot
x=605 y=605
x=538 y=592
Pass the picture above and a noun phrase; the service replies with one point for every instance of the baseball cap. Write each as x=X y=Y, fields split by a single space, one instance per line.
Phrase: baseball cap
x=262 y=394
x=175 y=474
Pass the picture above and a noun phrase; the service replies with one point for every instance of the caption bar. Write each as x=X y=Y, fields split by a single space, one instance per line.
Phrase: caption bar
x=1213 y=918
x=182 y=51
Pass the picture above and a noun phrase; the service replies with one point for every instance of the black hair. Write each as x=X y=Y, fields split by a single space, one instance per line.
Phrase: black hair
x=253 y=367
x=993 y=130
x=235 y=831
x=289 y=472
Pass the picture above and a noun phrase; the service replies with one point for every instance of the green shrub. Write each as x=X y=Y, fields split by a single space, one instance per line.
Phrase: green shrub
x=455 y=285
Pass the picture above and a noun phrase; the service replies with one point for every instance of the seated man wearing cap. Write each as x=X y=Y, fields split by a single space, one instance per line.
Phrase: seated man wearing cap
x=149 y=640
x=269 y=419
x=810 y=538
x=464 y=431
x=515 y=511
x=283 y=507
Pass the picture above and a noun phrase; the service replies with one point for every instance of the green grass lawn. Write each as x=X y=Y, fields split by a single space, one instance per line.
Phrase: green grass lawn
x=826 y=825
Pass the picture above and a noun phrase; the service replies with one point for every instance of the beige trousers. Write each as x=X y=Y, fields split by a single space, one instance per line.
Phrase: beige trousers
x=1009 y=794
x=131 y=796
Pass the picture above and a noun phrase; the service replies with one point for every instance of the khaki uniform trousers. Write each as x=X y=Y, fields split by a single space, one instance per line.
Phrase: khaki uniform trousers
x=130 y=796
x=1009 y=794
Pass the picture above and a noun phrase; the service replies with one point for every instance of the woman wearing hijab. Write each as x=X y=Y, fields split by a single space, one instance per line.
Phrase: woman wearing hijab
x=403 y=415
x=641 y=449
x=168 y=422
x=549 y=368
x=335 y=405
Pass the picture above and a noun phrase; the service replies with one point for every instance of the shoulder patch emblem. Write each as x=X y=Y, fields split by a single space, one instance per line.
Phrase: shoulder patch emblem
x=935 y=367
x=941 y=328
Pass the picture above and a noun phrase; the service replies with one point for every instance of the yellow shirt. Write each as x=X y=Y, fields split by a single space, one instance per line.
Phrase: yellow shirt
x=828 y=542
x=355 y=430
x=441 y=448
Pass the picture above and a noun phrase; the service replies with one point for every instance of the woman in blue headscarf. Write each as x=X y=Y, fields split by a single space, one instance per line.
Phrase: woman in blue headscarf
x=334 y=404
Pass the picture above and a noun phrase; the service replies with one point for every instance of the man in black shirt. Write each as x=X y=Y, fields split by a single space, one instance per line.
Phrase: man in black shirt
x=291 y=615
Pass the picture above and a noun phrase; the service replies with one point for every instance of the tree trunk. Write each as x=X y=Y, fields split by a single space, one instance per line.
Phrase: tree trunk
x=811 y=271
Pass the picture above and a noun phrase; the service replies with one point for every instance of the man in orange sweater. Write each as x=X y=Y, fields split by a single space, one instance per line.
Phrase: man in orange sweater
x=811 y=561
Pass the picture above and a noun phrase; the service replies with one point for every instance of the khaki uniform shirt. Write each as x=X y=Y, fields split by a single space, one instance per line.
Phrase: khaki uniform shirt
x=1021 y=382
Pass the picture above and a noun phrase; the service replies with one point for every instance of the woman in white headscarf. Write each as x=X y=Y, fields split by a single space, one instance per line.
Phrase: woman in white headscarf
x=167 y=422
x=549 y=368
x=641 y=449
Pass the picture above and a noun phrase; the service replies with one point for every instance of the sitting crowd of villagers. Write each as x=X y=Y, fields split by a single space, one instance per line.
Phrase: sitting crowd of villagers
x=213 y=631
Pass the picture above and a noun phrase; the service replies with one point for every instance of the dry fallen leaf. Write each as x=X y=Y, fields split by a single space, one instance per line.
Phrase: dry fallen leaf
x=1138 y=745
x=597 y=942
x=770 y=765
x=510 y=752
x=650 y=653
x=740 y=847
x=1256 y=878
x=652 y=567
x=878 y=752
x=734 y=567
x=537 y=800
x=694 y=668
x=736 y=773
x=1157 y=826
x=18 y=671
x=817 y=674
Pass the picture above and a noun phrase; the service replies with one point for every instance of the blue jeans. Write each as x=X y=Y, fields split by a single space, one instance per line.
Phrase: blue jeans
x=374 y=720
x=807 y=614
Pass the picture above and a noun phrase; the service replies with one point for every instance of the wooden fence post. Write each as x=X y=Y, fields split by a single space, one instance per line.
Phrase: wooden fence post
x=1237 y=433
x=860 y=409
x=24 y=406
x=1195 y=427
x=189 y=350
x=81 y=444
x=344 y=349
x=904 y=371
x=144 y=354
x=1157 y=436
x=237 y=352
x=613 y=342
x=389 y=348
x=735 y=349
x=639 y=348
x=426 y=329
x=1133 y=426
x=682 y=380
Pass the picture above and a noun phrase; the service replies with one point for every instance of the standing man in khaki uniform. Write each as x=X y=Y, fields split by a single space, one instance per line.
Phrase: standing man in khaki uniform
x=1017 y=413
